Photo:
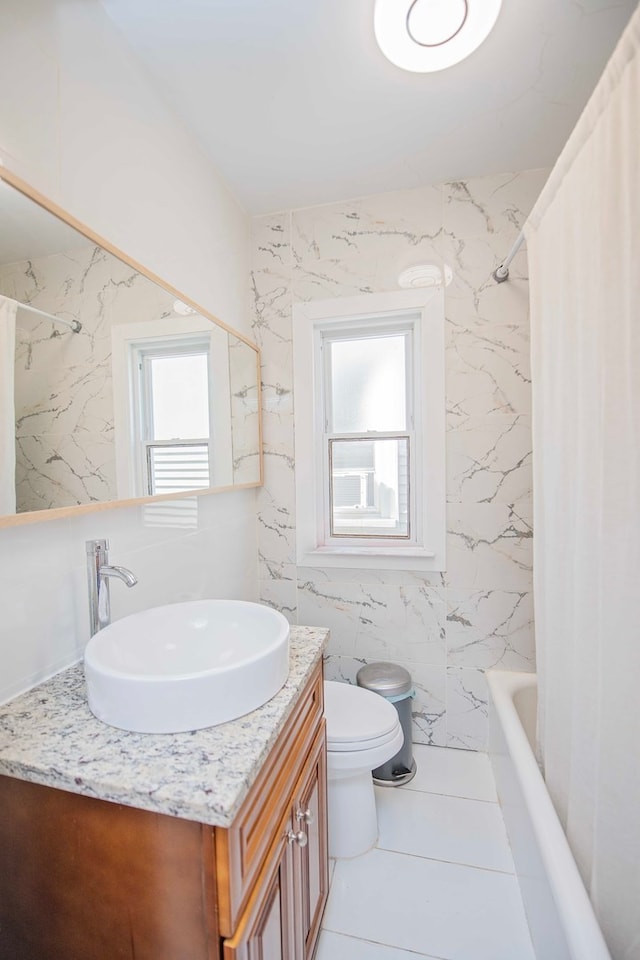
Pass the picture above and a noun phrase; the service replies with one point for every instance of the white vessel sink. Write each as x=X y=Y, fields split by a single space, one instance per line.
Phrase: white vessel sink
x=186 y=666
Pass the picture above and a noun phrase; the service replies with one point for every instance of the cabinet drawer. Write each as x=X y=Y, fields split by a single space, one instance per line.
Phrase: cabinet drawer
x=241 y=850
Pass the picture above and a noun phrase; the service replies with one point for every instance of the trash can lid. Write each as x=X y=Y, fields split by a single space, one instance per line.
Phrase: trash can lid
x=387 y=679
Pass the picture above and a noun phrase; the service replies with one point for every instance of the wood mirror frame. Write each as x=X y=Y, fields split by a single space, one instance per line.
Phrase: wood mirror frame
x=234 y=338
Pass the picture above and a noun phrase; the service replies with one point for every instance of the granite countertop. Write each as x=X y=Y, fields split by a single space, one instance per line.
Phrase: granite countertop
x=49 y=736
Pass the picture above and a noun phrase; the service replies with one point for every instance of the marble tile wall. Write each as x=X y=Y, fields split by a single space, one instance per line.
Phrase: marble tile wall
x=65 y=451
x=448 y=628
x=65 y=444
x=245 y=409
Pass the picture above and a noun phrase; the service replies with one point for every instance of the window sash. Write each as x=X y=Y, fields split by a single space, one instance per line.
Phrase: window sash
x=371 y=513
x=194 y=346
x=177 y=466
x=367 y=328
x=152 y=476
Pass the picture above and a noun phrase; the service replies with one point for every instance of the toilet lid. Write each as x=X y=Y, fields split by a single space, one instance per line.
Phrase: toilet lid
x=356 y=716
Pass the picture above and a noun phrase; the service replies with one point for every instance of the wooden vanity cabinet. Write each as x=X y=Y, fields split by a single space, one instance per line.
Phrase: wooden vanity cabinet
x=282 y=919
x=83 y=879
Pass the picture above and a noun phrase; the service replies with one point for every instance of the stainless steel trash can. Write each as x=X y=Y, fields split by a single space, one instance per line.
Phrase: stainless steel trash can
x=393 y=683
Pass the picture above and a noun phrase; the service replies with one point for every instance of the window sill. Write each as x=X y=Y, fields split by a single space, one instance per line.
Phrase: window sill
x=372 y=558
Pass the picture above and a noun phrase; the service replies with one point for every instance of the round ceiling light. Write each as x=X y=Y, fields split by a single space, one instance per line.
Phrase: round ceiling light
x=428 y=35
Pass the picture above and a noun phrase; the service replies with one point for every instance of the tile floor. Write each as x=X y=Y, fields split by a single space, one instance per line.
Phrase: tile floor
x=440 y=882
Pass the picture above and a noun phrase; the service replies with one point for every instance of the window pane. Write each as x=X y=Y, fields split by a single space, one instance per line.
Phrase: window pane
x=368 y=384
x=180 y=397
x=369 y=487
x=175 y=467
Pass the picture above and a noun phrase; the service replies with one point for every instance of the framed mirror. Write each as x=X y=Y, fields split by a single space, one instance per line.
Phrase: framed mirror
x=114 y=386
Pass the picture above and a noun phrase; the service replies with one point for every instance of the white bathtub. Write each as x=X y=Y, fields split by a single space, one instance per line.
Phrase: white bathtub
x=561 y=919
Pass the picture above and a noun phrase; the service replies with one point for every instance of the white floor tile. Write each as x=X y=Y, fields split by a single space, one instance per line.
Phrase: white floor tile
x=458 y=773
x=438 y=909
x=443 y=828
x=335 y=946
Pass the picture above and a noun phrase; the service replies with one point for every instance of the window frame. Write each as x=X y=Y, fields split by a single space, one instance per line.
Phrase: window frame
x=372 y=512
x=140 y=357
x=423 y=311
x=129 y=336
x=367 y=329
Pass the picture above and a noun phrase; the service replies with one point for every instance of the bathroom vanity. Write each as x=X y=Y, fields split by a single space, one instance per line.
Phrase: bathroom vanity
x=189 y=846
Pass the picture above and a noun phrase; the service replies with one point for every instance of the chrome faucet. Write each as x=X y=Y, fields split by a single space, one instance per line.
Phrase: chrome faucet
x=99 y=572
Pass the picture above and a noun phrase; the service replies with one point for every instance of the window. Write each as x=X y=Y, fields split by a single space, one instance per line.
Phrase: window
x=173 y=402
x=367 y=436
x=172 y=413
x=370 y=431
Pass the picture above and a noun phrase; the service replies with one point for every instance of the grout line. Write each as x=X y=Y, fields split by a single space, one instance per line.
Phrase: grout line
x=455 y=863
x=441 y=793
x=390 y=946
x=415 y=856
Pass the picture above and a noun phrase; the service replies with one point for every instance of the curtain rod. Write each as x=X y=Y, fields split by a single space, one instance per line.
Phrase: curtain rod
x=75 y=325
x=502 y=273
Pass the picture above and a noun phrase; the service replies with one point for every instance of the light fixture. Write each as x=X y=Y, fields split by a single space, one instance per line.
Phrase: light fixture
x=425 y=275
x=428 y=35
x=183 y=309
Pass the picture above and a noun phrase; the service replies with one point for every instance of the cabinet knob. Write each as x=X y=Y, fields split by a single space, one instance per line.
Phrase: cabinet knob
x=300 y=837
x=306 y=816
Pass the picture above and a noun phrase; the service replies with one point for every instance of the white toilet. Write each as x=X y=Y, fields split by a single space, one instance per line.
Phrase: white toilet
x=363 y=732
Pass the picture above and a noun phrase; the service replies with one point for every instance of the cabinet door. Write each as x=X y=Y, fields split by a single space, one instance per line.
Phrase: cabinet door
x=311 y=872
x=282 y=919
x=83 y=879
x=243 y=849
x=267 y=929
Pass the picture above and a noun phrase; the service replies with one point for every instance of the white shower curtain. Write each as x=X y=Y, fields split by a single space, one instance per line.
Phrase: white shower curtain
x=584 y=253
x=8 y=310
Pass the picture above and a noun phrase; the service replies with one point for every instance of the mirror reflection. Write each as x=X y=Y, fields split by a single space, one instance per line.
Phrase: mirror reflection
x=110 y=387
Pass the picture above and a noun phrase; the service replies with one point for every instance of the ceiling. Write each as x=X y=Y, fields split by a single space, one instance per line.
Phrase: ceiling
x=295 y=104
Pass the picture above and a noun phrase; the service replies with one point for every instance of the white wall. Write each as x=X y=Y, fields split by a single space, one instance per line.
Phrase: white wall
x=447 y=629
x=79 y=120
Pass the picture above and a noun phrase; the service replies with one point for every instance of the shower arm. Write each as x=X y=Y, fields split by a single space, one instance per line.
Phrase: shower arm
x=502 y=273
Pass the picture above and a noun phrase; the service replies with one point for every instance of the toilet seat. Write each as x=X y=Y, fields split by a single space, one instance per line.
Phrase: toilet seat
x=356 y=746
x=357 y=719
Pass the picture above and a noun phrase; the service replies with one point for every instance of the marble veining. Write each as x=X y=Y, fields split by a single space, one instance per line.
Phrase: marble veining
x=245 y=419
x=65 y=451
x=447 y=628
x=49 y=736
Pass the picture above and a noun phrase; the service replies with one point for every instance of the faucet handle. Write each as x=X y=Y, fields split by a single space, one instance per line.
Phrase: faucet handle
x=94 y=547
